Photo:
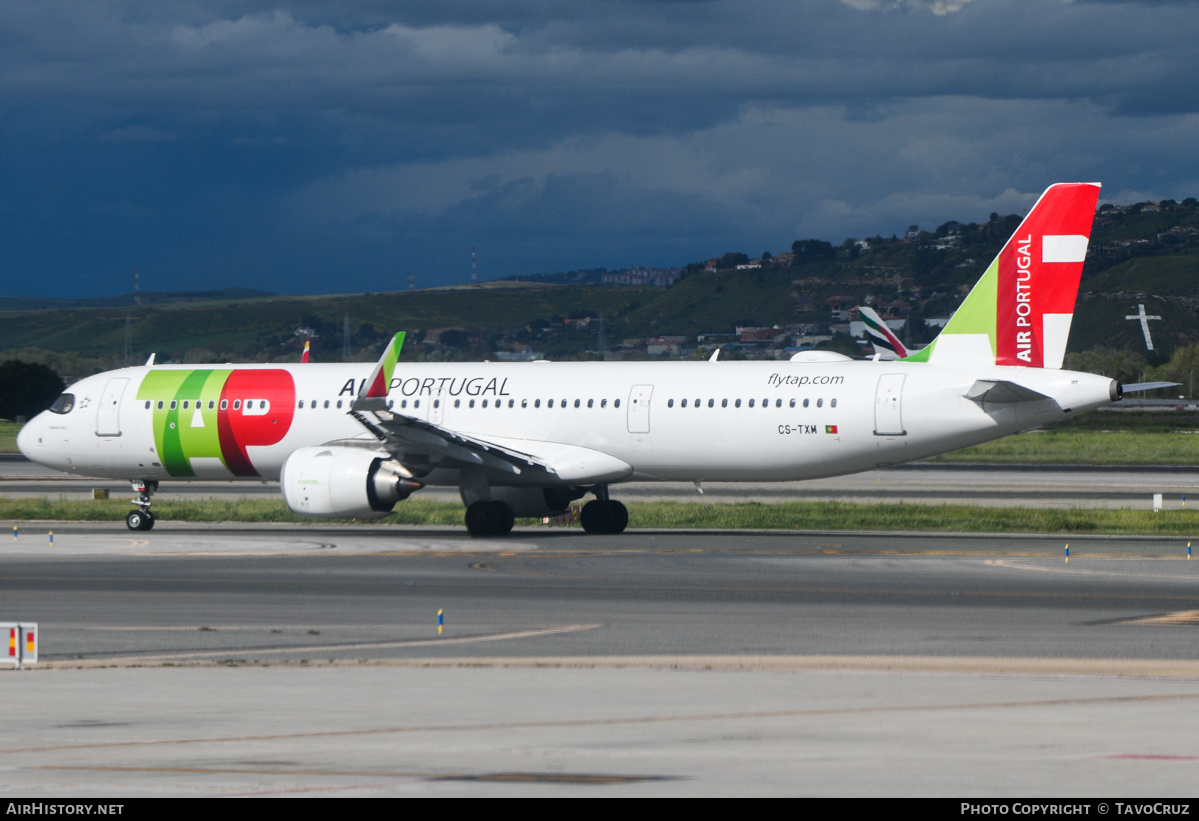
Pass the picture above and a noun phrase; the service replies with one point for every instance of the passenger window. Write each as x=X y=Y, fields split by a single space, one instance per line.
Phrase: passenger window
x=416 y=403
x=147 y=404
x=805 y=403
x=457 y=403
x=326 y=405
x=339 y=403
x=237 y=404
x=778 y=403
x=511 y=403
x=524 y=403
x=225 y=404
x=711 y=403
x=766 y=403
x=537 y=403
x=616 y=404
x=683 y=404
x=833 y=403
x=185 y=404
x=591 y=402
x=724 y=403
x=472 y=403
x=792 y=402
x=391 y=403
x=576 y=403
x=174 y=404
x=436 y=403
x=603 y=403
x=211 y=404
x=484 y=403
x=301 y=404
x=820 y=403
x=670 y=403
x=160 y=403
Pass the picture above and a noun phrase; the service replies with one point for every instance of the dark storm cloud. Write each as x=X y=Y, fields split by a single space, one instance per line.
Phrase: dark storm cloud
x=216 y=141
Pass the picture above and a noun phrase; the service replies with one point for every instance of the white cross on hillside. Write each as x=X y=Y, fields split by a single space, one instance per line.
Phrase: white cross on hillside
x=1144 y=325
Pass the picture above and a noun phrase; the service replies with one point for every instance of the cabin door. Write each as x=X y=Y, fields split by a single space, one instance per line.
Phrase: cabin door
x=108 y=415
x=639 y=408
x=888 y=405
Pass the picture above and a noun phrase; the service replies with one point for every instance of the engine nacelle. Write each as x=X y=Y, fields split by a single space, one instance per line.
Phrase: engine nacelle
x=343 y=483
x=535 y=501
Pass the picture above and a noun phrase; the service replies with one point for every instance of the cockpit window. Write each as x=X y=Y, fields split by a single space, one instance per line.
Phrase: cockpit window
x=63 y=404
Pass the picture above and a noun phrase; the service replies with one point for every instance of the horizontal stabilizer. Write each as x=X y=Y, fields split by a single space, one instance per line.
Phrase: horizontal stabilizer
x=1138 y=387
x=999 y=391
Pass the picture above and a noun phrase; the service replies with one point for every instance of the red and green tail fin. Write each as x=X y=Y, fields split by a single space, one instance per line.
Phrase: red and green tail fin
x=1019 y=313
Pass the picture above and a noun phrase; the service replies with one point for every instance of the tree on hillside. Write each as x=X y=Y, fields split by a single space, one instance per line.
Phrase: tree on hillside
x=27 y=389
x=810 y=250
x=1115 y=363
x=1181 y=368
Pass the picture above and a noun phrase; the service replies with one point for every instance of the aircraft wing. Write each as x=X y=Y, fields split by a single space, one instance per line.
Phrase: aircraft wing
x=536 y=462
x=400 y=434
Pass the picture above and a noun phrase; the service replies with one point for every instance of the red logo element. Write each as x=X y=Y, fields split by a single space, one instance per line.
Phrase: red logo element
x=1036 y=278
x=256 y=408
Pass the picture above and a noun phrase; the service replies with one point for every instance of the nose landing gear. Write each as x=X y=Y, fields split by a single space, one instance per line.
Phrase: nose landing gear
x=142 y=518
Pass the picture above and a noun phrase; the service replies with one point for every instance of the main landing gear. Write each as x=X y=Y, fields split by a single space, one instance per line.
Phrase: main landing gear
x=142 y=518
x=489 y=519
x=603 y=516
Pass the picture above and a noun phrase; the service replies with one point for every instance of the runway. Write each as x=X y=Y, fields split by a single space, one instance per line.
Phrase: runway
x=232 y=660
x=924 y=482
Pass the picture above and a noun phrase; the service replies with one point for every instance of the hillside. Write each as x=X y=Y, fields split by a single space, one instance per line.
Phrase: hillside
x=1147 y=253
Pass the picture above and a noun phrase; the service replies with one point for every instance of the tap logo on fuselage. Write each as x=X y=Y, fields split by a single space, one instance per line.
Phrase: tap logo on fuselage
x=217 y=414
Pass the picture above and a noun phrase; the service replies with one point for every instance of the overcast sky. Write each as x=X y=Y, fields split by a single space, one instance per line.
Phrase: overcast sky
x=309 y=147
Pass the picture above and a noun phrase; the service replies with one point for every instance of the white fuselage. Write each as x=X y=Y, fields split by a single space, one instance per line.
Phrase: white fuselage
x=671 y=421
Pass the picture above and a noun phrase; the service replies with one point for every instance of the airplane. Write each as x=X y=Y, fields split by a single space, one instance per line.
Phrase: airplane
x=527 y=439
x=886 y=344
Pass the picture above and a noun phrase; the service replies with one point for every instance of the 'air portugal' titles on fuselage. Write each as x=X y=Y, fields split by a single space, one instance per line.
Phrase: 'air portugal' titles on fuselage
x=433 y=386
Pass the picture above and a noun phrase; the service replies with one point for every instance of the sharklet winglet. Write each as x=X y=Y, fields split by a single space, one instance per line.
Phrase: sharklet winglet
x=377 y=384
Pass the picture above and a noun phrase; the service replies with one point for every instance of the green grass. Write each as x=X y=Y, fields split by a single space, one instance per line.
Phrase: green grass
x=678 y=515
x=8 y=436
x=1086 y=447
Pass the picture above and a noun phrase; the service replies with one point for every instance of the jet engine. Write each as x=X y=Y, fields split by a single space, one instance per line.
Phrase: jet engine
x=341 y=482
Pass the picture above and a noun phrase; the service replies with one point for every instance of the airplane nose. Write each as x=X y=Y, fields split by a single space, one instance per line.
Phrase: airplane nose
x=26 y=440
